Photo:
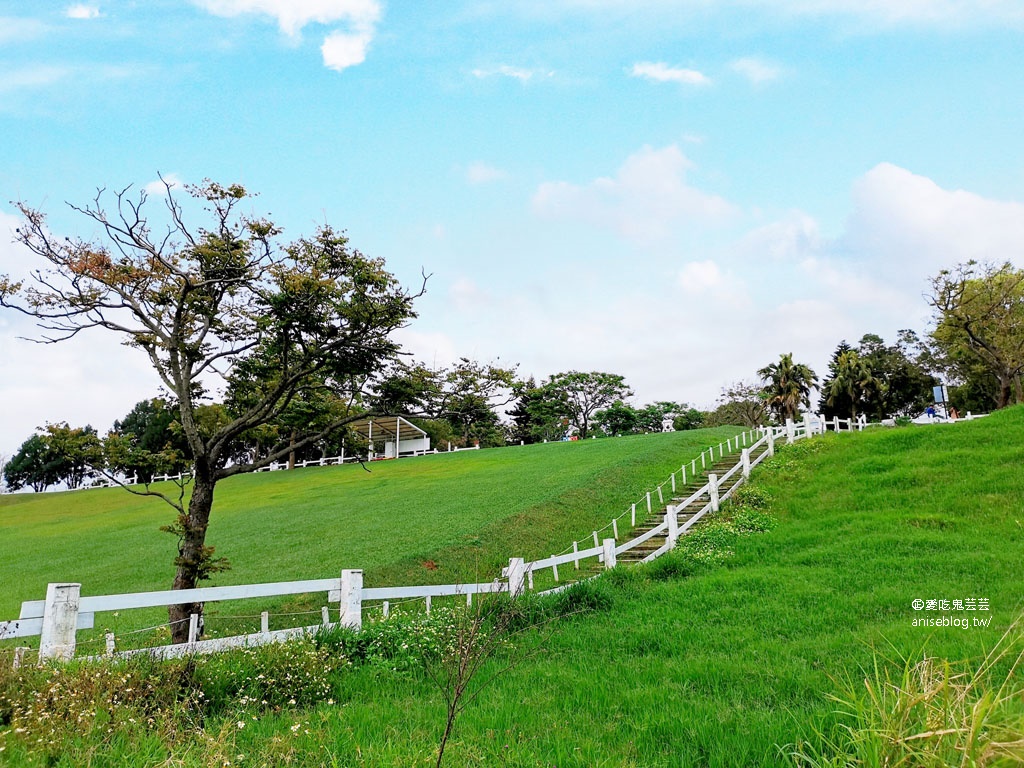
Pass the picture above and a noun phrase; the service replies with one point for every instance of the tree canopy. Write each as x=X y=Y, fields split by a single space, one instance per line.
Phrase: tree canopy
x=580 y=395
x=787 y=387
x=58 y=453
x=978 y=328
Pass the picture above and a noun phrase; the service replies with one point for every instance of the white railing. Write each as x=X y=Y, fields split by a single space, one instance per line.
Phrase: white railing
x=670 y=526
x=57 y=619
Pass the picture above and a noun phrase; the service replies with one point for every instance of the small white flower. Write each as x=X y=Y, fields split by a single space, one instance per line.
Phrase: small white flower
x=241 y=724
x=295 y=728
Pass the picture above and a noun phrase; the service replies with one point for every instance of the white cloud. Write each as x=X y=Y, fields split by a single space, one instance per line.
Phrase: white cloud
x=341 y=48
x=345 y=49
x=935 y=12
x=908 y=227
x=293 y=15
x=157 y=186
x=662 y=73
x=82 y=11
x=646 y=198
x=792 y=238
x=505 y=70
x=482 y=173
x=756 y=70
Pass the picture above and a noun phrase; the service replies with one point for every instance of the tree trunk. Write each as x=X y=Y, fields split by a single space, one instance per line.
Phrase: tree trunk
x=1005 y=391
x=291 y=454
x=192 y=554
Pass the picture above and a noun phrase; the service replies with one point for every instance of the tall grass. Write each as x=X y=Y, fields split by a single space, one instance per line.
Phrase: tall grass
x=929 y=713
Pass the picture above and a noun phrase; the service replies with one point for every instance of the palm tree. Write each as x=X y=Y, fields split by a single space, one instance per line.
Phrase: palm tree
x=788 y=386
x=853 y=379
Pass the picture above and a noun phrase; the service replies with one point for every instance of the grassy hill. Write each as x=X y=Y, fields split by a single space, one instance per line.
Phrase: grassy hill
x=714 y=664
x=463 y=514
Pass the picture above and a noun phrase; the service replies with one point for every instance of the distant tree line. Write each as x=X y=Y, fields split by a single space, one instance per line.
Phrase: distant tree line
x=976 y=345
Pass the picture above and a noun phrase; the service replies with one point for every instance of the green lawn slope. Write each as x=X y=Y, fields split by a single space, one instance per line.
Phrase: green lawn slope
x=461 y=514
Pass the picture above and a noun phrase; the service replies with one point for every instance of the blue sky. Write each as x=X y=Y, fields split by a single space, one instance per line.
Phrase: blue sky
x=674 y=191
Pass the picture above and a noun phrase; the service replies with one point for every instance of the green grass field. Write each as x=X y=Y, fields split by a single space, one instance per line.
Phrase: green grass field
x=465 y=513
x=724 y=666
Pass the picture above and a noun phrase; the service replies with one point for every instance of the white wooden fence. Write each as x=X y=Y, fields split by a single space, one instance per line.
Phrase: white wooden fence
x=57 y=619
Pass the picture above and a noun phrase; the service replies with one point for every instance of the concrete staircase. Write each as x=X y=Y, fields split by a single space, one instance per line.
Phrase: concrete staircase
x=653 y=520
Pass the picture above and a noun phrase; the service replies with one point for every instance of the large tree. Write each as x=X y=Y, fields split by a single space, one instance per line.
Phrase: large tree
x=742 y=403
x=224 y=306
x=464 y=396
x=75 y=452
x=853 y=382
x=907 y=385
x=979 y=325
x=147 y=441
x=30 y=466
x=581 y=395
x=536 y=417
x=788 y=386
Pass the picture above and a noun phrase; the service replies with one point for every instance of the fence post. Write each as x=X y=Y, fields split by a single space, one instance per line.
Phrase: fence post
x=193 y=628
x=325 y=614
x=576 y=560
x=632 y=515
x=661 y=499
x=19 y=656
x=648 y=505
x=807 y=425
x=516 y=576
x=352 y=598
x=771 y=442
x=673 y=482
x=609 y=553
x=672 y=521
x=265 y=623
x=109 y=643
x=713 y=491
x=790 y=431
x=745 y=458
x=615 y=528
x=60 y=620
